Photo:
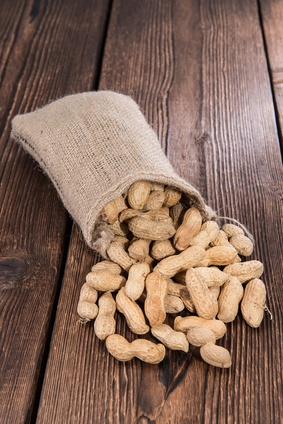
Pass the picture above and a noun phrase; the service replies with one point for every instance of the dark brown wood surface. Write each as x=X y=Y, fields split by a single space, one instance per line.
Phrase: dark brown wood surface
x=271 y=14
x=199 y=72
x=44 y=55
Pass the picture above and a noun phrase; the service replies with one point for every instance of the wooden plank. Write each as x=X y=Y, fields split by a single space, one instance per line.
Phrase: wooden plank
x=199 y=73
x=272 y=17
x=50 y=49
x=237 y=137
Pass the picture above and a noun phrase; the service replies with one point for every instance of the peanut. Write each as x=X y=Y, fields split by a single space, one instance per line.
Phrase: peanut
x=245 y=271
x=128 y=214
x=242 y=244
x=253 y=302
x=105 y=324
x=215 y=355
x=221 y=239
x=156 y=187
x=110 y=212
x=215 y=291
x=154 y=305
x=174 y=340
x=184 y=324
x=190 y=226
x=176 y=214
x=161 y=215
x=184 y=260
x=232 y=230
x=143 y=349
x=212 y=276
x=117 y=254
x=201 y=239
x=132 y=312
x=88 y=294
x=107 y=265
x=199 y=336
x=219 y=255
x=229 y=299
x=138 y=194
x=172 y=197
x=139 y=249
x=162 y=249
x=174 y=288
x=187 y=300
x=119 y=229
x=104 y=280
x=87 y=310
x=155 y=200
x=149 y=260
x=205 y=303
x=136 y=280
x=113 y=208
x=173 y=304
x=150 y=215
x=212 y=228
x=151 y=230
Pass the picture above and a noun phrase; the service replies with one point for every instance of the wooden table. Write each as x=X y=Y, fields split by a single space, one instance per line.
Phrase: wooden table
x=208 y=76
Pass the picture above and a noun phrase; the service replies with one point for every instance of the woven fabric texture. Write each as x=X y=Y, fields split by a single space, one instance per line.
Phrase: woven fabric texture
x=93 y=146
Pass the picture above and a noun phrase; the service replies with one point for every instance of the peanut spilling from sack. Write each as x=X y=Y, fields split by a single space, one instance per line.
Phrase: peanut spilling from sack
x=164 y=260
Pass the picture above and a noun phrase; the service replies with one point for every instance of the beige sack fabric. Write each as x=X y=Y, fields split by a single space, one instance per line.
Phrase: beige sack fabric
x=93 y=146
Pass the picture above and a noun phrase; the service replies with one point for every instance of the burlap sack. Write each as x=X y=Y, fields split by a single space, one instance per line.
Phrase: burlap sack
x=93 y=146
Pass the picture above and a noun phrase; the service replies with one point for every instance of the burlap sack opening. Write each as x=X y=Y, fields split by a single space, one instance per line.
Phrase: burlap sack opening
x=93 y=146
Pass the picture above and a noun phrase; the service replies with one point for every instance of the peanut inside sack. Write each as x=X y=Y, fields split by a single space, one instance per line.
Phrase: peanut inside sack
x=165 y=259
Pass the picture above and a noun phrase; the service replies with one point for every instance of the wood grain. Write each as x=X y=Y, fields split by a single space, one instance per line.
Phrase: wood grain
x=236 y=117
x=45 y=55
x=194 y=68
x=271 y=13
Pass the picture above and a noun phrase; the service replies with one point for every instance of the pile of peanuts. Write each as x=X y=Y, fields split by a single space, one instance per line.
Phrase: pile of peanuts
x=165 y=260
